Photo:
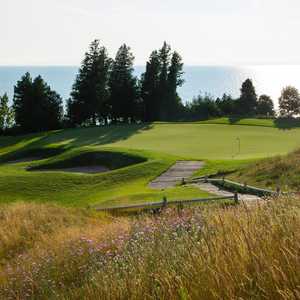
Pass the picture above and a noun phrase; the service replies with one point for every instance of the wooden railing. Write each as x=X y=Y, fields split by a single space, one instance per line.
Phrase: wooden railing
x=165 y=203
x=236 y=187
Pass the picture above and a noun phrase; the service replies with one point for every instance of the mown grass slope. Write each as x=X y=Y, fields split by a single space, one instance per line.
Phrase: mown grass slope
x=189 y=140
x=158 y=146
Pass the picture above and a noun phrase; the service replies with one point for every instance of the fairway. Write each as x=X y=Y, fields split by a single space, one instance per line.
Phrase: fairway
x=136 y=154
x=187 y=140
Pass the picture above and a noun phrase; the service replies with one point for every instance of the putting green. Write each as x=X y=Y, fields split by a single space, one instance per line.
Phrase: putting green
x=213 y=141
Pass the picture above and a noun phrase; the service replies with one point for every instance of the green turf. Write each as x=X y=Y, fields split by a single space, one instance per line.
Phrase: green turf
x=155 y=146
x=201 y=141
x=213 y=141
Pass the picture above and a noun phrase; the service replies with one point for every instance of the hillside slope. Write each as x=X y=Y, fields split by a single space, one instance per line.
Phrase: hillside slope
x=279 y=171
x=153 y=148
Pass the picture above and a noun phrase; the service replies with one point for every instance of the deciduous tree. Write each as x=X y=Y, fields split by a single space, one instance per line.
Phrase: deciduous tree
x=265 y=106
x=6 y=113
x=289 y=102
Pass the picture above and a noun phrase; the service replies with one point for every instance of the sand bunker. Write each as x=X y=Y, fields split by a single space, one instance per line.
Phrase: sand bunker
x=83 y=169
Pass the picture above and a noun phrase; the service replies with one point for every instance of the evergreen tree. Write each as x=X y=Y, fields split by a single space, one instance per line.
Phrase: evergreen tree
x=289 y=102
x=174 y=80
x=163 y=90
x=23 y=104
x=123 y=87
x=265 y=106
x=226 y=105
x=90 y=92
x=36 y=106
x=6 y=113
x=248 y=100
x=159 y=85
x=48 y=109
x=202 y=108
x=149 y=88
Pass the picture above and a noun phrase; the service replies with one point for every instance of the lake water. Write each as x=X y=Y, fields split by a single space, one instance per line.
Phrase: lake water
x=214 y=80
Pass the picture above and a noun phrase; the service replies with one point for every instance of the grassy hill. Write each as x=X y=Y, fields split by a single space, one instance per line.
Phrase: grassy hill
x=152 y=148
x=279 y=171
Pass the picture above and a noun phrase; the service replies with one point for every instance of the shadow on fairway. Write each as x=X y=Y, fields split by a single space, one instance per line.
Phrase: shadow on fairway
x=235 y=119
x=280 y=123
x=287 y=123
x=69 y=138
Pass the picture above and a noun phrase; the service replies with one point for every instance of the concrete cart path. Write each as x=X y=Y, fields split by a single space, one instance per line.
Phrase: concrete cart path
x=180 y=170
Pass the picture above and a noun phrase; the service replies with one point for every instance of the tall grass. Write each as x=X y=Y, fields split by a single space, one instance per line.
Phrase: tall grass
x=280 y=171
x=235 y=253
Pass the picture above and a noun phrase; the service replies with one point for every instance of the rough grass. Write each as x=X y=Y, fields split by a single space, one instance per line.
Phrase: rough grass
x=237 y=253
x=280 y=171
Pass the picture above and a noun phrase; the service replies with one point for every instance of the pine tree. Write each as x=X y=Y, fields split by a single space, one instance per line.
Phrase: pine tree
x=123 y=87
x=48 y=106
x=90 y=91
x=36 y=106
x=163 y=90
x=149 y=88
x=23 y=104
x=248 y=100
x=174 y=80
x=159 y=85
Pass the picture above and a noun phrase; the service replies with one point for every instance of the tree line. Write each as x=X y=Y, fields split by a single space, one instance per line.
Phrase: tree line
x=106 y=91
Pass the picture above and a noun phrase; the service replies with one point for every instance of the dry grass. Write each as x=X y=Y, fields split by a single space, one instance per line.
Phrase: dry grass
x=237 y=253
x=282 y=171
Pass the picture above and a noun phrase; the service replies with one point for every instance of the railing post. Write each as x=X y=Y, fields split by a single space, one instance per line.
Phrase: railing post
x=179 y=208
x=165 y=202
x=278 y=191
x=206 y=179
x=236 y=198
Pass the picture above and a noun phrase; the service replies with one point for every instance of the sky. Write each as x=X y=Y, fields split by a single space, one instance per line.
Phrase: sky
x=205 y=32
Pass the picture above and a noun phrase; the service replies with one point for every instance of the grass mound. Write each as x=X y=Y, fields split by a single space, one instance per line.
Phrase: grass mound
x=280 y=171
x=237 y=253
x=30 y=154
x=110 y=159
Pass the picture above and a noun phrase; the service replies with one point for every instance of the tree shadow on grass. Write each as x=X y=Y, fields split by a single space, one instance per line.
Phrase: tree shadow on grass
x=234 y=119
x=287 y=123
x=70 y=138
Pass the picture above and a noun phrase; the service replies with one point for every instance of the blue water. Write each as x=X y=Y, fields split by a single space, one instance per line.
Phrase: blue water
x=214 y=80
